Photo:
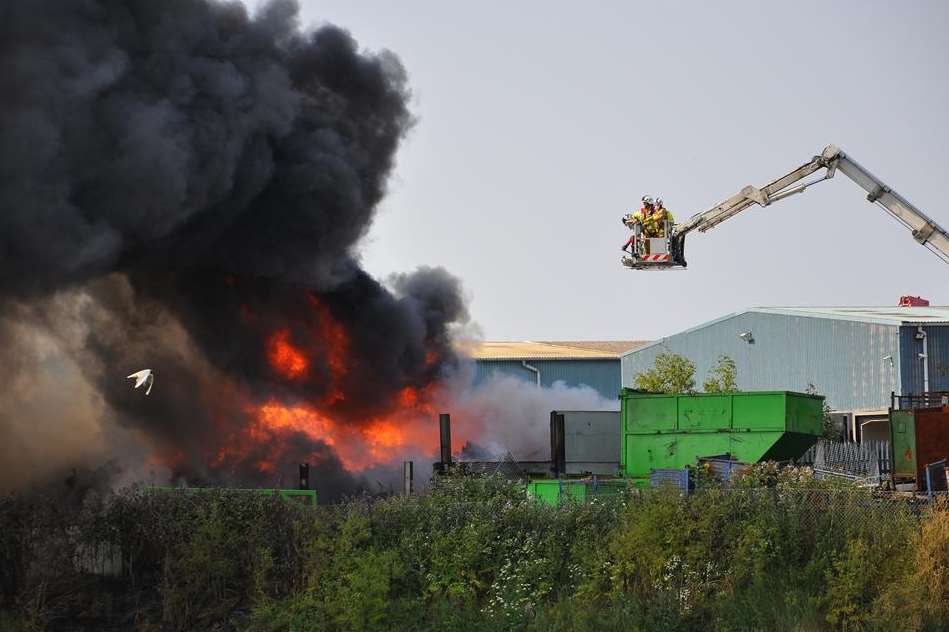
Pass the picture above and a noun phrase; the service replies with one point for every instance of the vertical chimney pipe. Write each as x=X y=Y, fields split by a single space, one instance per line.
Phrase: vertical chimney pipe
x=558 y=447
x=304 y=476
x=444 y=428
x=408 y=475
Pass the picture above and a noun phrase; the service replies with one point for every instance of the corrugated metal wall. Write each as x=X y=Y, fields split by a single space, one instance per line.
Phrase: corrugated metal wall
x=843 y=359
x=601 y=375
x=912 y=365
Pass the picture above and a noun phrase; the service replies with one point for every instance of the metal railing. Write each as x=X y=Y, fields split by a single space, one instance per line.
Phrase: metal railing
x=931 y=399
x=867 y=462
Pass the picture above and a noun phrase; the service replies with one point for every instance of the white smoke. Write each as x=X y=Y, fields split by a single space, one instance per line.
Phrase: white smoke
x=505 y=415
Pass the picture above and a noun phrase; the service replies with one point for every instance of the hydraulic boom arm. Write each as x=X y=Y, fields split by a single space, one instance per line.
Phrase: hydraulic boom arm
x=925 y=230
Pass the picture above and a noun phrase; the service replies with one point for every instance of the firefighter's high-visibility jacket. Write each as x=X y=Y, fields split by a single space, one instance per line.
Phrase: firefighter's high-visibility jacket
x=653 y=223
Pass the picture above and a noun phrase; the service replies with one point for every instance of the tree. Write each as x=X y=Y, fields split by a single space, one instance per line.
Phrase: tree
x=829 y=429
x=723 y=378
x=670 y=373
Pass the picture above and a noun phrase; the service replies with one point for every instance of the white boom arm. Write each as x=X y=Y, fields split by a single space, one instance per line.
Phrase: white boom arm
x=925 y=230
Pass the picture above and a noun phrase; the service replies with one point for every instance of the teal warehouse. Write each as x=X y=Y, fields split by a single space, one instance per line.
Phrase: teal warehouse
x=855 y=356
x=595 y=364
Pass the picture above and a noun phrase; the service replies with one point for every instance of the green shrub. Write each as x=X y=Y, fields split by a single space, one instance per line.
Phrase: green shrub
x=777 y=549
x=916 y=595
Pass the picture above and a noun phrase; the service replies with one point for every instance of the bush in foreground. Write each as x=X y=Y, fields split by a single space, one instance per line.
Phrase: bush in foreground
x=778 y=550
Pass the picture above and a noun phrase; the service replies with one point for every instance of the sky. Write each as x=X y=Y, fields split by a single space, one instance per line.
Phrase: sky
x=541 y=123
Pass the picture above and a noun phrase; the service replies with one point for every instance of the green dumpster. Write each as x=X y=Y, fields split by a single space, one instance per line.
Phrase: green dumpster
x=552 y=491
x=661 y=431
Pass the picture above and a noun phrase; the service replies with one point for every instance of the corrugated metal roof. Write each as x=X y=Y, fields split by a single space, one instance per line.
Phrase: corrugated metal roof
x=548 y=350
x=618 y=347
x=879 y=315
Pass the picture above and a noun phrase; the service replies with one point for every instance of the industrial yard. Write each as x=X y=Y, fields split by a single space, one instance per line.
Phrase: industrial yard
x=625 y=526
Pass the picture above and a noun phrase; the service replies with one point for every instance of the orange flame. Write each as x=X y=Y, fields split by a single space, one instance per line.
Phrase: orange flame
x=410 y=427
x=285 y=358
x=334 y=337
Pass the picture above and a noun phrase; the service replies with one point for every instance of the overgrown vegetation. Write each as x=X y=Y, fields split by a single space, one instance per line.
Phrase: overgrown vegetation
x=673 y=373
x=775 y=550
x=670 y=373
x=723 y=377
x=829 y=428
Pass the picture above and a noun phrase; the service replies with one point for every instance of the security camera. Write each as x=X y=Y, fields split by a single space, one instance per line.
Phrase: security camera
x=747 y=336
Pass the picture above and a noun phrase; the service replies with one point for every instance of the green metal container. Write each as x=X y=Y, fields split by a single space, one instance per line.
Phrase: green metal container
x=903 y=440
x=552 y=491
x=662 y=431
x=918 y=437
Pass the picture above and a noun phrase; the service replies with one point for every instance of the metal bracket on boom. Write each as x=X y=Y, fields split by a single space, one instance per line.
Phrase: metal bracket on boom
x=877 y=193
x=756 y=195
x=923 y=234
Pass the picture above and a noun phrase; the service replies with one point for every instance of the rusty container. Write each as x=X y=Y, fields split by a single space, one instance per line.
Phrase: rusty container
x=918 y=437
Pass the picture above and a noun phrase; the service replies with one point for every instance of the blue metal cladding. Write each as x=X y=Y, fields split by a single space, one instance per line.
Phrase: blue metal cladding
x=911 y=365
x=601 y=375
x=854 y=364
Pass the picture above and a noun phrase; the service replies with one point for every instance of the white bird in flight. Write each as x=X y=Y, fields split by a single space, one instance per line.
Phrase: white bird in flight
x=145 y=375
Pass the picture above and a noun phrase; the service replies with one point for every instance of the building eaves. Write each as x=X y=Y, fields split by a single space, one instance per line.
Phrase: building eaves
x=617 y=347
x=529 y=350
x=874 y=315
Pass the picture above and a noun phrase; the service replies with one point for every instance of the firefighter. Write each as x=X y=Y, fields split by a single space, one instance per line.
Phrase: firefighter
x=659 y=217
x=639 y=217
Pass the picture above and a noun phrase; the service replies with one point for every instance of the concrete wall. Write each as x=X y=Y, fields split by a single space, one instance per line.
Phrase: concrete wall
x=842 y=358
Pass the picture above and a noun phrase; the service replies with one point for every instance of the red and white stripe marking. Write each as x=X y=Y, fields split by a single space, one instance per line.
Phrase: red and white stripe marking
x=656 y=258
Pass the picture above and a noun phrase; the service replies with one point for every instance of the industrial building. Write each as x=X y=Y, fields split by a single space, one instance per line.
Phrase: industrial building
x=855 y=356
x=575 y=363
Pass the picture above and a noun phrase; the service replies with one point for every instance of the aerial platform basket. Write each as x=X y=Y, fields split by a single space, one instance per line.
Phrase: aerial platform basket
x=657 y=253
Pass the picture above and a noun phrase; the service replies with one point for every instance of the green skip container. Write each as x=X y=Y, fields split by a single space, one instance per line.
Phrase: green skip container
x=553 y=491
x=662 y=431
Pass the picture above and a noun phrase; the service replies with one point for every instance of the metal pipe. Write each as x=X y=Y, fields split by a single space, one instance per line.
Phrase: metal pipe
x=304 y=476
x=924 y=356
x=929 y=483
x=780 y=195
x=534 y=369
x=558 y=455
x=408 y=475
x=444 y=428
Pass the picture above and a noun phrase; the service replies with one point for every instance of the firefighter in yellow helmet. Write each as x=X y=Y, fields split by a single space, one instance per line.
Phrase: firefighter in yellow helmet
x=638 y=218
x=658 y=220
x=652 y=216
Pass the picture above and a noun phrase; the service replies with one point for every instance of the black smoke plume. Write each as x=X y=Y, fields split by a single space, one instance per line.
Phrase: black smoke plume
x=178 y=181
